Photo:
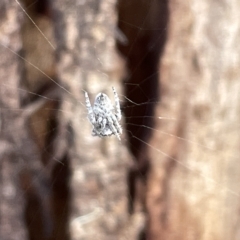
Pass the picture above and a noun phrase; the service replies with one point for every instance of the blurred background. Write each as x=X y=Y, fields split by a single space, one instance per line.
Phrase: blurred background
x=175 y=173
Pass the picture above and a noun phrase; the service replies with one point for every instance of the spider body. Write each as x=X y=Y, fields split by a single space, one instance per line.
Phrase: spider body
x=103 y=116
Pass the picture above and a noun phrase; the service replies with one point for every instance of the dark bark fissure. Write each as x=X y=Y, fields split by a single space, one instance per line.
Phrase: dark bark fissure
x=40 y=224
x=145 y=26
x=61 y=199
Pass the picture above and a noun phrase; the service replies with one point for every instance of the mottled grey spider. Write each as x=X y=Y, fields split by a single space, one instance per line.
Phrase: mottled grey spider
x=104 y=118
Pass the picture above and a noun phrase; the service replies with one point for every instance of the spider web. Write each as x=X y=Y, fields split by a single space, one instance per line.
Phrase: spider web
x=148 y=123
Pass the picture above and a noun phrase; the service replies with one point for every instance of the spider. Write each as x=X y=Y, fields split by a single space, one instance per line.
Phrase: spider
x=104 y=118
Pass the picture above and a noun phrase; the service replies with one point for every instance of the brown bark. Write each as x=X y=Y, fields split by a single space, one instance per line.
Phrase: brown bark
x=193 y=190
x=71 y=162
x=11 y=203
x=186 y=170
x=144 y=24
x=86 y=61
x=22 y=175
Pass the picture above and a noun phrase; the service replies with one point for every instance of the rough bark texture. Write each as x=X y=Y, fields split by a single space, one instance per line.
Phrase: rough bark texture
x=11 y=205
x=198 y=192
x=21 y=172
x=146 y=32
x=86 y=61
x=60 y=183
x=83 y=177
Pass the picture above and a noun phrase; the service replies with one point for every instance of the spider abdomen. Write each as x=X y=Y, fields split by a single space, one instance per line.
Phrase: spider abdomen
x=104 y=118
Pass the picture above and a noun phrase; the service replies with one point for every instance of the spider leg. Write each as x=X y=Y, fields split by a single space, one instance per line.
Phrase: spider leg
x=116 y=123
x=112 y=127
x=105 y=129
x=117 y=105
x=91 y=115
x=100 y=126
x=99 y=121
x=104 y=122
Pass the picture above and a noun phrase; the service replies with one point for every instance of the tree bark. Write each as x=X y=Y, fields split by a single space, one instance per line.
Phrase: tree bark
x=186 y=161
x=86 y=61
x=22 y=176
x=12 y=203
x=195 y=154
